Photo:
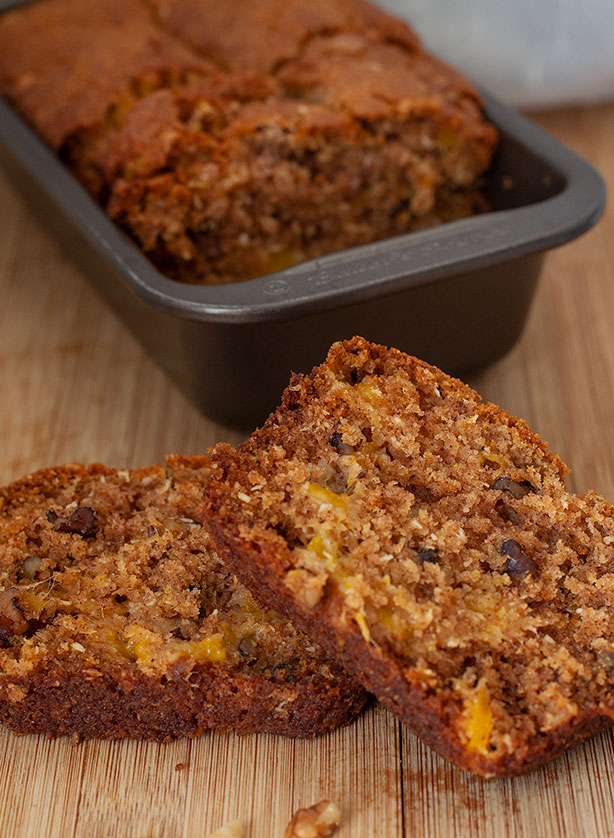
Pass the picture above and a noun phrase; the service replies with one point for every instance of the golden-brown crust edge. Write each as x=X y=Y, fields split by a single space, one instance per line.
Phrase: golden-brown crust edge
x=115 y=706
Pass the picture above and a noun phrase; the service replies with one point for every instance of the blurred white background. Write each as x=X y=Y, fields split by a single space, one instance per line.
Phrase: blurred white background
x=531 y=53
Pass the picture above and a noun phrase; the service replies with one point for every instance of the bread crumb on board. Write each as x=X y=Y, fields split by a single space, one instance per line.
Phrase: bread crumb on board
x=318 y=821
x=233 y=829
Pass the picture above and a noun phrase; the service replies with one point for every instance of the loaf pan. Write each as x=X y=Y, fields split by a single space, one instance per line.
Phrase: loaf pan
x=456 y=295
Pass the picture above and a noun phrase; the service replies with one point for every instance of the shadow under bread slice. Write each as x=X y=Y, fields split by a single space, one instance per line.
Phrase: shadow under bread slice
x=427 y=541
x=118 y=619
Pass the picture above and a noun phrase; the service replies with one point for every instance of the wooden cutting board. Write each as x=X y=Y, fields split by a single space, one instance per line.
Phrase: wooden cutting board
x=74 y=385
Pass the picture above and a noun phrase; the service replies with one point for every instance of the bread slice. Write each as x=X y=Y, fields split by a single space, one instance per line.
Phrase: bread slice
x=118 y=619
x=427 y=541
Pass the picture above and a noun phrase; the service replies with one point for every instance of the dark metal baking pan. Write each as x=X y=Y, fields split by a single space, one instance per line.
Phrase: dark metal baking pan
x=456 y=295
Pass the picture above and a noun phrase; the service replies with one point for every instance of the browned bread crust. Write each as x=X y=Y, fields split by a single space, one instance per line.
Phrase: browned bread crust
x=427 y=541
x=117 y=618
x=232 y=138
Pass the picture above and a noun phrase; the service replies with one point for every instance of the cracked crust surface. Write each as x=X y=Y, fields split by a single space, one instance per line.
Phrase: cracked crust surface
x=117 y=617
x=221 y=149
x=427 y=541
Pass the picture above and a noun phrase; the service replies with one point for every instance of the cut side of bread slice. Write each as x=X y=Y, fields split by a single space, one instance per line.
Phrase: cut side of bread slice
x=118 y=619
x=427 y=541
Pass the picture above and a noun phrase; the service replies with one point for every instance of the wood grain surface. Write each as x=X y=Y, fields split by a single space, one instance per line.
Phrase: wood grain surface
x=75 y=386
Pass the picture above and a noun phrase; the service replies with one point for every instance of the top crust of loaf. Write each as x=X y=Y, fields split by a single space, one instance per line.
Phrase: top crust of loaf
x=221 y=133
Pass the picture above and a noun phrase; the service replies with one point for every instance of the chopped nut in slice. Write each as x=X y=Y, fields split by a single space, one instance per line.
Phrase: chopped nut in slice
x=318 y=821
x=29 y=567
x=307 y=587
x=12 y=620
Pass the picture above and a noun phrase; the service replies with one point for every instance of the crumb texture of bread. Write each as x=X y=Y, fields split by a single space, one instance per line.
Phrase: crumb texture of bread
x=231 y=151
x=426 y=539
x=118 y=619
